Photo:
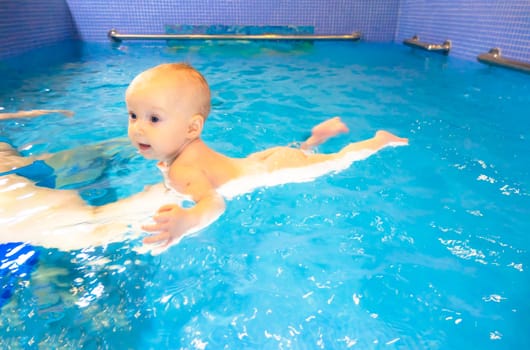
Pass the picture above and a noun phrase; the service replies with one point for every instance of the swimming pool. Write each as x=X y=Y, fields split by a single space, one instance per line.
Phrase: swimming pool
x=417 y=247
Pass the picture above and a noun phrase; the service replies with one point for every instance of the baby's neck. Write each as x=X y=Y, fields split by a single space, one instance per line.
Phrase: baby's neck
x=179 y=152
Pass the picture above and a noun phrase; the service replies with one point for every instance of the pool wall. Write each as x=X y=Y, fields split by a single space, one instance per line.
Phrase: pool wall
x=473 y=26
x=29 y=24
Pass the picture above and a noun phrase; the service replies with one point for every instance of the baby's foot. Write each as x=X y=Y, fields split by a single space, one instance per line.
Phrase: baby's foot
x=329 y=128
x=391 y=139
x=323 y=131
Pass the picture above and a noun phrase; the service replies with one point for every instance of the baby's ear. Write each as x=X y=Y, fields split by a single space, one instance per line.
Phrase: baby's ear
x=195 y=126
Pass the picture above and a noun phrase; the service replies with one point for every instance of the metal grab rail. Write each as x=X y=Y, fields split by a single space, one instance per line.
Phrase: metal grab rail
x=114 y=35
x=415 y=42
x=493 y=57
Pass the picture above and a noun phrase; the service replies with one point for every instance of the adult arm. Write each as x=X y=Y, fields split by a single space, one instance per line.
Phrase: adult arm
x=34 y=113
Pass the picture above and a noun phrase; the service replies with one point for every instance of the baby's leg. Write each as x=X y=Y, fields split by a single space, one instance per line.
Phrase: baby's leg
x=278 y=158
x=323 y=131
x=380 y=140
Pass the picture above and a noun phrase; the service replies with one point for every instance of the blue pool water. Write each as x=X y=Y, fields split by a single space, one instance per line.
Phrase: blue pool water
x=418 y=247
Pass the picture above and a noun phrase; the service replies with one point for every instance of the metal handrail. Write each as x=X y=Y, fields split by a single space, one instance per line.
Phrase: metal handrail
x=114 y=35
x=493 y=57
x=415 y=42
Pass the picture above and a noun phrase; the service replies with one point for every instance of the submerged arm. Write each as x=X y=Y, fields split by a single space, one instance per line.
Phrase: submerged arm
x=34 y=113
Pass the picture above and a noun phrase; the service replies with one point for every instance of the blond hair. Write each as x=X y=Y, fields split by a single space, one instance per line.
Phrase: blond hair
x=203 y=89
x=198 y=83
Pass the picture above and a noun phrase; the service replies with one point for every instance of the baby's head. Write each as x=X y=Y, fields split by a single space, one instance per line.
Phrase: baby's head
x=167 y=106
x=180 y=85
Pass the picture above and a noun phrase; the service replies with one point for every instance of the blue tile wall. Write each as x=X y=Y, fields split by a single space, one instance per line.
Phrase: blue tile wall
x=27 y=24
x=375 y=18
x=473 y=26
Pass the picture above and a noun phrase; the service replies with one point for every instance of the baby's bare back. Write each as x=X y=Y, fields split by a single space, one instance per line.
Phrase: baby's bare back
x=278 y=158
x=220 y=169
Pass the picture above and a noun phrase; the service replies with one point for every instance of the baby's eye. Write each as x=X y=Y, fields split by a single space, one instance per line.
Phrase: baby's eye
x=154 y=119
x=132 y=115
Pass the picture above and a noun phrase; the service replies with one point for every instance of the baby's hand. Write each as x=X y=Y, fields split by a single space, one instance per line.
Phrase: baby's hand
x=169 y=227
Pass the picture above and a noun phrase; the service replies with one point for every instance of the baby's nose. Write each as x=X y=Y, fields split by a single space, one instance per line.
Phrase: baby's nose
x=137 y=128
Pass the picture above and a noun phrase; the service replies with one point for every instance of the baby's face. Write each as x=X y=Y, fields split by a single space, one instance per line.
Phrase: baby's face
x=159 y=115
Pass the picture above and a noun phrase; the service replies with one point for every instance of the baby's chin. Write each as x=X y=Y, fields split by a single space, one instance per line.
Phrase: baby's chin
x=149 y=156
x=146 y=152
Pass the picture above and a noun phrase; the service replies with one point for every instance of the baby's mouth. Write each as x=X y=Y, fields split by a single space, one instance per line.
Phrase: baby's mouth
x=144 y=146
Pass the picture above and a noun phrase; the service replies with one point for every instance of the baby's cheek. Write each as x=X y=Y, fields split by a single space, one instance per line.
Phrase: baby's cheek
x=129 y=132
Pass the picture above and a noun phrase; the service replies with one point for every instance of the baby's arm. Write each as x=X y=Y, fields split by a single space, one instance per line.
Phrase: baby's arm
x=173 y=222
x=34 y=113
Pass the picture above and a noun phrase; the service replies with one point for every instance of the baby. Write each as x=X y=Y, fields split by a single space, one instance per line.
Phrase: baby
x=168 y=106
